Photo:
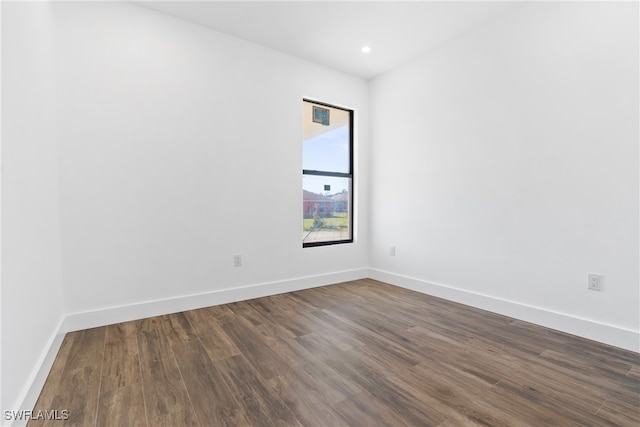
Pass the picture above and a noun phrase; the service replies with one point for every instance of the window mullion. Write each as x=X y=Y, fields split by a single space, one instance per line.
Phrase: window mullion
x=326 y=173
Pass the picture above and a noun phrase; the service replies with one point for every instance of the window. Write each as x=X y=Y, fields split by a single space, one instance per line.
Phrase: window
x=327 y=175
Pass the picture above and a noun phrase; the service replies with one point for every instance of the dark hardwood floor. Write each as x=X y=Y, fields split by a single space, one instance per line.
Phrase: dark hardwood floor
x=361 y=353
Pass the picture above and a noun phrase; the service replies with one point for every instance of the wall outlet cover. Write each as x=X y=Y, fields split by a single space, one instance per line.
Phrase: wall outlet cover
x=594 y=282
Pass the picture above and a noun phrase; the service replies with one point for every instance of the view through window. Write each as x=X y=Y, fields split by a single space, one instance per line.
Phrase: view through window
x=327 y=172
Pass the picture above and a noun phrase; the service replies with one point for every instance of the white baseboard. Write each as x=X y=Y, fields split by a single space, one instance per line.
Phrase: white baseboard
x=33 y=386
x=124 y=313
x=607 y=334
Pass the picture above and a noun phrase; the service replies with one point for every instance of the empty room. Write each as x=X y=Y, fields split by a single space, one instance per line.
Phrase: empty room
x=320 y=213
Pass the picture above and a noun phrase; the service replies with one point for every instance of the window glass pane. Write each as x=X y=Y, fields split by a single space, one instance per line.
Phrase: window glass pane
x=326 y=138
x=326 y=206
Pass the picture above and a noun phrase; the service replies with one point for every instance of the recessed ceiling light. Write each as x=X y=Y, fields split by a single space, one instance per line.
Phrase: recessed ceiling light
x=366 y=49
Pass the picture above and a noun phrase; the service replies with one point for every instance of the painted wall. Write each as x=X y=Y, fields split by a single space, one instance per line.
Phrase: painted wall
x=505 y=164
x=180 y=147
x=31 y=295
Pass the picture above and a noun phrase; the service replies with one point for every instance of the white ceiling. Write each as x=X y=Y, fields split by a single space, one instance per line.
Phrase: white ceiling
x=332 y=33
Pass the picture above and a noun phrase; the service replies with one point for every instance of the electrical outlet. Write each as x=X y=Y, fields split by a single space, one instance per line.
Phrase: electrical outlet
x=237 y=260
x=392 y=250
x=594 y=282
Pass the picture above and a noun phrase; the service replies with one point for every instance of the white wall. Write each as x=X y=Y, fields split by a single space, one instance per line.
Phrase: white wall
x=505 y=166
x=180 y=147
x=32 y=307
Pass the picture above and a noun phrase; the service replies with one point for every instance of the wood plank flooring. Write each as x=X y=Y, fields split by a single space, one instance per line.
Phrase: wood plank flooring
x=361 y=353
